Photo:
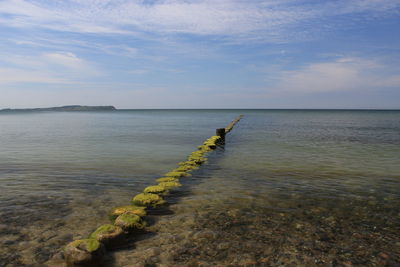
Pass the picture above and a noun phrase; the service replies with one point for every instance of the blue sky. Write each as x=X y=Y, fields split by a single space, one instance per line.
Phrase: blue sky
x=200 y=53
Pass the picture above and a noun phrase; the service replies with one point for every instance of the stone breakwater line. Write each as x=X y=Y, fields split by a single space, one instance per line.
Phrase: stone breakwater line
x=129 y=219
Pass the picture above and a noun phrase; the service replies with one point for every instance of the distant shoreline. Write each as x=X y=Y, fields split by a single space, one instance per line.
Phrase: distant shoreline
x=76 y=108
x=64 y=108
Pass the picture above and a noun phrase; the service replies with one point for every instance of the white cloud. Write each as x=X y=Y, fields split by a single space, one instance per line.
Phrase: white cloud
x=56 y=67
x=252 y=19
x=12 y=75
x=346 y=73
x=69 y=61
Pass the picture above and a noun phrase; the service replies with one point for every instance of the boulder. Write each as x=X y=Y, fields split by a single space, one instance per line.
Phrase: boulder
x=109 y=235
x=167 y=179
x=156 y=189
x=176 y=174
x=138 y=210
x=84 y=252
x=148 y=200
x=169 y=185
x=129 y=222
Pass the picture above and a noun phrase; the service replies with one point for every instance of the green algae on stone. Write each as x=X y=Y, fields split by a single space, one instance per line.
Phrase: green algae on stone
x=89 y=244
x=205 y=148
x=108 y=234
x=186 y=168
x=176 y=174
x=155 y=189
x=167 y=179
x=197 y=153
x=211 y=142
x=138 y=210
x=148 y=199
x=187 y=163
x=106 y=228
x=194 y=157
x=214 y=138
x=211 y=146
x=84 y=252
x=129 y=221
x=229 y=128
x=198 y=160
x=170 y=185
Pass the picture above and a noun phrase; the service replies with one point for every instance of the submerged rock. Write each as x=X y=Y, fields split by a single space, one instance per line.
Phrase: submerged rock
x=148 y=199
x=186 y=168
x=129 y=221
x=108 y=234
x=176 y=174
x=167 y=179
x=188 y=163
x=197 y=157
x=156 y=189
x=84 y=252
x=199 y=160
x=138 y=210
x=169 y=185
x=211 y=143
x=197 y=153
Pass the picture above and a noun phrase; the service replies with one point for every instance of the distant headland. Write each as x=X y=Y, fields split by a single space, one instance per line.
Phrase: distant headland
x=65 y=108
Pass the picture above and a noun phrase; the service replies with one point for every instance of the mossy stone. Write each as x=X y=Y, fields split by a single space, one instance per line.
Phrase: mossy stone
x=211 y=142
x=197 y=159
x=196 y=162
x=188 y=162
x=197 y=155
x=176 y=174
x=167 y=179
x=148 y=200
x=108 y=234
x=186 y=168
x=170 y=185
x=156 y=189
x=138 y=210
x=211 y=145
x=205 y=148
x=129 y=221
x=84 y=252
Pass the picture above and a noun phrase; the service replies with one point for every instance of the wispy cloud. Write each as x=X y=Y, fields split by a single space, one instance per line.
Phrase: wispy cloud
x=55 y=67
x=163 y=52
x=13 y=75
x=343 y=74
x=250 y=19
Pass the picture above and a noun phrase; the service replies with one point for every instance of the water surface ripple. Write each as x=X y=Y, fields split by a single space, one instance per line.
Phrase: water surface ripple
x=290 y=187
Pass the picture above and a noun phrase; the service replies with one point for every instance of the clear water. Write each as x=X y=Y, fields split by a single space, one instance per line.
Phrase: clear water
x=290 y=187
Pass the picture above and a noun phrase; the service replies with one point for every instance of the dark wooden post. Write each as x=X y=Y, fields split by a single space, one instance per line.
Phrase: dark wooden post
x=221 y=132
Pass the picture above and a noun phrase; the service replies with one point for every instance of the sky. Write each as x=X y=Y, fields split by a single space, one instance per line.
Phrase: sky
x=200 y=53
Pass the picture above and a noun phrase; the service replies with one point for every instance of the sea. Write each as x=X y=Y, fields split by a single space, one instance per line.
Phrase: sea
x=288 y=187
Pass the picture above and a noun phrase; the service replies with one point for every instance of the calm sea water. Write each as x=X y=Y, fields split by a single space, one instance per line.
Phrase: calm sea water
x=290 y=187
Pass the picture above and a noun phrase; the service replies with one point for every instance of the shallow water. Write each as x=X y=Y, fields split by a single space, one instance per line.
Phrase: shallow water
x=288 y=188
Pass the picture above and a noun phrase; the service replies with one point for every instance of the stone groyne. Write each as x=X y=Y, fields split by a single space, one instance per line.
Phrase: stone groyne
x=130 y=219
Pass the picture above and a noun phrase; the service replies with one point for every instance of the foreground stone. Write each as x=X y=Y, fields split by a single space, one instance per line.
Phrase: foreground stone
x=138 y=210
x=108 y=234
x=129 y=222
x=148 y=200
x=84 y=252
